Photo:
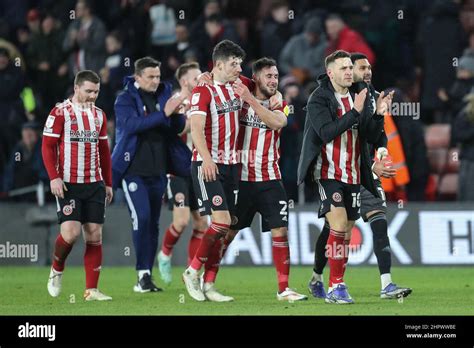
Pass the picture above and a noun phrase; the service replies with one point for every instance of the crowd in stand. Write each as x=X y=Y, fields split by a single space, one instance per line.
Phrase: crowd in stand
x=423 y=49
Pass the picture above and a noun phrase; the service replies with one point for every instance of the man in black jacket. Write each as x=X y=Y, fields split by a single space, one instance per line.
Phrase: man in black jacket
x=340 y=120
x=373 y=208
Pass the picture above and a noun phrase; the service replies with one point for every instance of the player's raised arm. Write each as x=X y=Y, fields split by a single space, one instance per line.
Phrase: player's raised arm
x=273 y=119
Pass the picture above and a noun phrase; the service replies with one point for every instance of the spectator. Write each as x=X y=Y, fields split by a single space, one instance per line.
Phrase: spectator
x=291 y=136
x=463 y=133
x=46 y=62
x=33 y=19
x=198 y=28
x=25 y=166
x=341 y=37
x=440 y=39
x=163 y=28
x=277 y=30
x=454 y=97
x=177 y=53
x=12 y=112
x=217 y=29
x=85 y=40
x=117 y=66
x=303 y=56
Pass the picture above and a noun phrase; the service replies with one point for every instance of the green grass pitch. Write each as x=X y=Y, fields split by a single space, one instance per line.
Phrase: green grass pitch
x=436 y=291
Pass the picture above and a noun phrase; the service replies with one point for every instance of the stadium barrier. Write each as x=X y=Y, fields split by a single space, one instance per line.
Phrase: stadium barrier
x=420 y=234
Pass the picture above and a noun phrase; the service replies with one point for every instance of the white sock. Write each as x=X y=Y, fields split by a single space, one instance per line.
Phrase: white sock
x=142 y=272
x=386 y=279
x=191 y=270
x=165 y=257
x=317 y=278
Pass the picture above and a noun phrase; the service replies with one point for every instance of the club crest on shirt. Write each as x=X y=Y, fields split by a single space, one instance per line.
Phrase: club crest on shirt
x=50 y=121
x=336 y=197
x=67 y=210
x=195 y=98
x=217 y=200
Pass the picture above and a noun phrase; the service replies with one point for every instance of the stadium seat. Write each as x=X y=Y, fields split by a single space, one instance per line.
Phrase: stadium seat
x=438 y=136
x=453 y=162
x=448 y=187
x=438 y=159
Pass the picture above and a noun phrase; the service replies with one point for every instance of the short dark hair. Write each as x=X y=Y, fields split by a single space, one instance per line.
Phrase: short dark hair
x=276 y=4
x=145 y=62
x=357 y=55
x=184 y=68
x=336 y=55
x=261 y=63
x=334 y=16
x=86 y=75
x=227 y=49
x=215 y=18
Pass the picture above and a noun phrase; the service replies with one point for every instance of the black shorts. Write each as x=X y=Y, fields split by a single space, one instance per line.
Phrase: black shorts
x=339 y=194
x=220 y=194
x=181 y=193
x=369 y=202
x=267 y=198
x=82 y=202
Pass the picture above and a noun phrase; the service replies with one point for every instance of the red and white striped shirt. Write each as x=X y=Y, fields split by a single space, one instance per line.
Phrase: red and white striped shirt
x=340 y=158
x=79 y=131
x=222 y=108
x=259 y=146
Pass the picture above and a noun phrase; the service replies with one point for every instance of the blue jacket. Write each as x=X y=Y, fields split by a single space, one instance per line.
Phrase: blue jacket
x=130 y=120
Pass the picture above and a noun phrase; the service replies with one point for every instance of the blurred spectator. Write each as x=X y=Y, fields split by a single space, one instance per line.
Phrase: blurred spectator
x=291 y=135
x=414 y=147
x=277 y=30
x=216 y=30
x=341 y=37
x=46 y=63
x=85 y=40
x=463 y=133
x=180 y=51
x=25 y=166
x=12 y=113
x=454 y=97
x=303 y=56
x=163 y=28
x=198 y=30
x=440 y=39
x=33 y=19
x=117 y=66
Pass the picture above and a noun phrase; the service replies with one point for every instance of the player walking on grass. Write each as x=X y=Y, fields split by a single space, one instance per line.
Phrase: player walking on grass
x=339 y=122
x=373 y=209
x=215 y=111
x=260 y=188
x=76 y=155
x=182 y=199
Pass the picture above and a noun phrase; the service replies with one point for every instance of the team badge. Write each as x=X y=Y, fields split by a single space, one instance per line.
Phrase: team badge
x=50 y=121
x=67 y=210
x=217 y=200
x=96 y=121
x=179 y=197
x=336 y=197
x=195 y=98
x=132 y=187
